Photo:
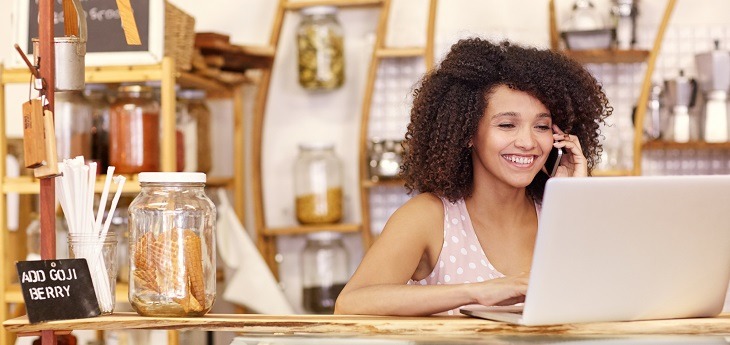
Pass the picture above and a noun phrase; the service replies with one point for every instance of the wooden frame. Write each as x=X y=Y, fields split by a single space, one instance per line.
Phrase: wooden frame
x=153 y=55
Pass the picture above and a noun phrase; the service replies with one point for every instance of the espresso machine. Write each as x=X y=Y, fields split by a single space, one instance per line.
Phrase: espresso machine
x=683 y=125
x=713 y=72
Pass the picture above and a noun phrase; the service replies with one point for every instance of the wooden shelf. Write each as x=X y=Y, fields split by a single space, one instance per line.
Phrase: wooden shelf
x=608 y=55
x=395 y=182
x=219 y=182
x=426 y=328
x=692 y=145
x=400 y=52
x=14 y=295
x=193 y=81
x=299 y=4
x=308 y=229
x=128 y=74
x=29 y=185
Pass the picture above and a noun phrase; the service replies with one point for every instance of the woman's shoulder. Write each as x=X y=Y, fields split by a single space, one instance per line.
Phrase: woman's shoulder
x=424 y=202
x=422 y=209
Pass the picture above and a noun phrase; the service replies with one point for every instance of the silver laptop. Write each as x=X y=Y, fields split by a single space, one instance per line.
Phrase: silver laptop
x=627 y=248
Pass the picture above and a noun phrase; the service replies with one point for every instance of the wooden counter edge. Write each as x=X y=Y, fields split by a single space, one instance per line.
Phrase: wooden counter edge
x=374 y=325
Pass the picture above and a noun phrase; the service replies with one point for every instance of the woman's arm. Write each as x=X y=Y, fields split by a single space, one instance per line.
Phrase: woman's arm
x=413 y=233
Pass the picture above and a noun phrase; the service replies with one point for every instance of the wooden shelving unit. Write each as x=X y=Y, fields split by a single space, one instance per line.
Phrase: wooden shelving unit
x=692 y=145
x=608 y=56
x=380 y=53
x=266 y=236
x=165 y=73
x=621 y=57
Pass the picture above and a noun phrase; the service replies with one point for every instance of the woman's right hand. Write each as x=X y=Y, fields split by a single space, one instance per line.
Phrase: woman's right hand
x=500 y=291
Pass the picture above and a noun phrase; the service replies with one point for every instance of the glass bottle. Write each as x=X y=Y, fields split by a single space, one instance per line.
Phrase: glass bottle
x=134 y=138
x=324 y=271
x=318 y=184
x=72 y=121
x=172 y=246
x=321 y=49
x=198 y=110
x=98 y=98
x=187 y=125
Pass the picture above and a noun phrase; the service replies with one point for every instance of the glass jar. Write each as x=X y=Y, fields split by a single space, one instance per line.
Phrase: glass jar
x=172 y=246
x=134 y=138
x=101 y=256
x=194 y=100
x=72 y=121
x=187 y=126
x=98 y=98
x=318 y=184
x=321 y=49
x=324 y=271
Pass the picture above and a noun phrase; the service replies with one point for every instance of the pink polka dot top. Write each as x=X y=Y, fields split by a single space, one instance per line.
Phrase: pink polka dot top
x=462 y=259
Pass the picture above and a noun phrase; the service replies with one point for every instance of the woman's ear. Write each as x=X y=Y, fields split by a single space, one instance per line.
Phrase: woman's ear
x=470 y=144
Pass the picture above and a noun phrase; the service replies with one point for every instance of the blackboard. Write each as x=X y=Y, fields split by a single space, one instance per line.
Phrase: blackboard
x=103 y=22
x=57 y=289
x=106 y=44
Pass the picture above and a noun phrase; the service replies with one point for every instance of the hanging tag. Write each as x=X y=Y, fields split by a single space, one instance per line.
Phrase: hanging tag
x=38 y=83
x=50 y=165
x=34 y=146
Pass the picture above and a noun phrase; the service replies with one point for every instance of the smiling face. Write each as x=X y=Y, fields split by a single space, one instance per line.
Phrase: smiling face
x=513 y=139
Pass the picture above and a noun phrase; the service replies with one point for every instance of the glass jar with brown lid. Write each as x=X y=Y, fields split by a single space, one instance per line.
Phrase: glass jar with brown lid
x=134 y=136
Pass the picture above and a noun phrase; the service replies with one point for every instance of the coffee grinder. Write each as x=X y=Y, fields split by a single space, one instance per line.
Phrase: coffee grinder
x=713 y=72
x=682 y=126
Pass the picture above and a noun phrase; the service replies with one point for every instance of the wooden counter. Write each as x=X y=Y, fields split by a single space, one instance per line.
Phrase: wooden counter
x=418 y=327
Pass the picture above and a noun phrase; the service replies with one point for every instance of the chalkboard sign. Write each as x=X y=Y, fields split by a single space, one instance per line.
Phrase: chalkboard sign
x=57 y=289
x=106 y=44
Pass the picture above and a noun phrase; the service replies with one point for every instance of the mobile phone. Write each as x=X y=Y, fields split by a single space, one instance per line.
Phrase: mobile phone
x=553 y=161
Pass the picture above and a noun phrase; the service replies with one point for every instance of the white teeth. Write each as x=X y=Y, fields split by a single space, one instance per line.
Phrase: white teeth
x=521 y=160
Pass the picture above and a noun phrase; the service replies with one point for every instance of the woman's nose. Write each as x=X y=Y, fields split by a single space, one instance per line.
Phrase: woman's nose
x=525 y=140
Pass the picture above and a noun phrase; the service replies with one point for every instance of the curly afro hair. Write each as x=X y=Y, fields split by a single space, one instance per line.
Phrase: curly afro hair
x=453 y=97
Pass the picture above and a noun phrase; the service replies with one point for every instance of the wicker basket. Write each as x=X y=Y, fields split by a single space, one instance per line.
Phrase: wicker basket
x=179 y=36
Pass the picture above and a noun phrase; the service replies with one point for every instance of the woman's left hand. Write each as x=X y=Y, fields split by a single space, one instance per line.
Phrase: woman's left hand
x=573 y=163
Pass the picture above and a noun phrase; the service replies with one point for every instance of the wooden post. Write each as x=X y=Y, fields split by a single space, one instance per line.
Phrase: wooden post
x=48 y=192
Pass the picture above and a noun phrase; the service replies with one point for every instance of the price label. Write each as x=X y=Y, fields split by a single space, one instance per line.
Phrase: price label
x=57 y=289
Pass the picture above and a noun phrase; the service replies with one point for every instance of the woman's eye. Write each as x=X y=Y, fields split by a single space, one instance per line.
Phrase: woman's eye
x=543 y=127
x=506 y=125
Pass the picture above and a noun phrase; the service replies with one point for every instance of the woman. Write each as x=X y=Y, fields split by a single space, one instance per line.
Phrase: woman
x=482 y=126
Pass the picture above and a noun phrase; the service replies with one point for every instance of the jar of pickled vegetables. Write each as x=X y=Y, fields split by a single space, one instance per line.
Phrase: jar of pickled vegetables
x=321 y=49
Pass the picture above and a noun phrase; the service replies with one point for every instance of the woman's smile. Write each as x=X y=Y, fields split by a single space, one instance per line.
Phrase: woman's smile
x=520 y=161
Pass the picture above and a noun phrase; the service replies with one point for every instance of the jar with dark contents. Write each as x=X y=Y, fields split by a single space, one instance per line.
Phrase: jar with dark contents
x=99 y=99
x=324 y=271
x=320 y=43
x=134 y=136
